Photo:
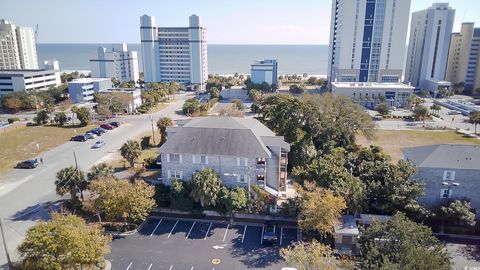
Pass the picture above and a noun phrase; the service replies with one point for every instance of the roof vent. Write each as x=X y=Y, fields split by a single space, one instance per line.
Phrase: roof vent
x=222 y=139
x=193 y=139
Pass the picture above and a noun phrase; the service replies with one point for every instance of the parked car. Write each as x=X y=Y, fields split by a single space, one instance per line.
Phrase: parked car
x=27 y=164
x=106 y=126
x=78 y=138
x=90 y=135
x=115 y=124
x=453 y=112
x=97 y=131
x=98 y=144
x=269 y=235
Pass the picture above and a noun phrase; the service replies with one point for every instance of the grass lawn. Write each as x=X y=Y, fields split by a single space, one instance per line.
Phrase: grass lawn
x=160 y=106
x=20 y=143
x=393 y=140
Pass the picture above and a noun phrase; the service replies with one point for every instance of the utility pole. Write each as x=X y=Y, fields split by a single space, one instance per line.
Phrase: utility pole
x=10 y=265
x=153 y=130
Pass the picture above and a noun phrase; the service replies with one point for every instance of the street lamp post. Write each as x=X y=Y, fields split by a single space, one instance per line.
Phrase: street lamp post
x=9 y=261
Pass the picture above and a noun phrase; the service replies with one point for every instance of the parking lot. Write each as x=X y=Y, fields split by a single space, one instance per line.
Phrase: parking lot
x=169 y=243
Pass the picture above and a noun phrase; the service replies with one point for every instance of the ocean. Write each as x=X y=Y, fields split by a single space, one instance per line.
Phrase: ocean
x=222 y=59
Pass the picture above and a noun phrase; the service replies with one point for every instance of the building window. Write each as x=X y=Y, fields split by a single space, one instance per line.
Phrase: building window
x=200 y=159
x=242 y=161
x=445 y=193
x=242 y=178
x=174 y=158
x=175 y=174
x=449 y=175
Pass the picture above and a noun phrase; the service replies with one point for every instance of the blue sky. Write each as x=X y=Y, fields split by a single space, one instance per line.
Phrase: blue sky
x=227 y=21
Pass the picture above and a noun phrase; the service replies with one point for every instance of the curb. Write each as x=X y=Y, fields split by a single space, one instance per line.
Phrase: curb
x=108 y=265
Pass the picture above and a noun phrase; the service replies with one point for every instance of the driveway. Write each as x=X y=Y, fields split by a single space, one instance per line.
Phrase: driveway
x=169 y=243
x=25 y=195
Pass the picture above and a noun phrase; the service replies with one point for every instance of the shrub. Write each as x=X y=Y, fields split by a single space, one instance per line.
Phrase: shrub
x=13 y=120
x=162 y=195
x=238 y=103
x=145 y=142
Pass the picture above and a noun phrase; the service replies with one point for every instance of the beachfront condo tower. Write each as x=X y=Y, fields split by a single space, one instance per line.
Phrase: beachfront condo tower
x=464 y=58
x=427 y=54
x=367 y=40
x=264 y=71
x=174 y=53
x=17 y=47
x=119 y=63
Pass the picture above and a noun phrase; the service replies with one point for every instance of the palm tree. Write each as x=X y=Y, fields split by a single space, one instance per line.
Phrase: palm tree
x=162 y=125
x=172 y=88
x=130 y=151
x=474 y=119
x=206 y=187
x=71 y=180
x=99 y=171
x=74 y=110
x=420 y=112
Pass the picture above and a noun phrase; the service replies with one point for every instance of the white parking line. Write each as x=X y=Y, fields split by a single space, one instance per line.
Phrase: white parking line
x=225 y=235
x=149 y=267
x=281 y=235
x=208 y=231
x=190 y=230
x=156 y=227
x=128 y=267
x=171 y=266
x=191 y=268
x=173 y=229
x=244 y=231
x=261 y=239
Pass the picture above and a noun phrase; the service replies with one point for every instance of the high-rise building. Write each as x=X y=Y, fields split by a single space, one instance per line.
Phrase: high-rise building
x=174 y=53
x=264 y=71
x=119 y=63
x=17 y=47
x=463 y=58
x=367 y=40
x=427 y=56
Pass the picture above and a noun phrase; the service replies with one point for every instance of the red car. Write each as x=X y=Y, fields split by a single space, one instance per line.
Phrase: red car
x=107 y=126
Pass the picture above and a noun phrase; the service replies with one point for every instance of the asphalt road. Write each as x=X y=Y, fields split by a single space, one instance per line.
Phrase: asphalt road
x=166 y=243
x=26 y=195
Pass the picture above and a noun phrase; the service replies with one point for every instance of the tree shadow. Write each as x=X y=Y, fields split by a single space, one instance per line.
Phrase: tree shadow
x=40 y=211
x=471 y=252
x=257 y=256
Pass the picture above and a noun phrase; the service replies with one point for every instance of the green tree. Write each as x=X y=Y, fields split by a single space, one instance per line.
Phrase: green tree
x=401 y=244
x=64 y=242
x=383 y=108
x=60 y=118
x=420 y=113
x=98 y=171
x=459 y=212
x=42 y=117
x=71 y=180
x=297 y=89
x=121 y=199
x=172 y=88
x=435 y=108
x=233 y=200
x=255 y=96
x=238 y=104
x=320 y=210
x=84 y=116
x=476 y=92
x=12 y=103
x=131 y=151
x=206 y=185
x=180 y=195
x=474 y=119
x=310 y=256
x=74 y=110
x=191 y=106
x=162 y=125
x=214 y=92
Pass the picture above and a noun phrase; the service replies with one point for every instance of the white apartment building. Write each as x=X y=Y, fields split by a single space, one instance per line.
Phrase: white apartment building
x=174 y=53
x=17 y=47
x=134 y=94
x=14 y=80
x=427 y=56
x=264 y=71
x=370 y=94
x=119 y=63
x=367 y=40
x=463 y=58
x=83 y=89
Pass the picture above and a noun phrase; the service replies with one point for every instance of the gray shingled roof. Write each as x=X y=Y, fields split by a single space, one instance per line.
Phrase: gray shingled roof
x=229 y=136
x=448 y=156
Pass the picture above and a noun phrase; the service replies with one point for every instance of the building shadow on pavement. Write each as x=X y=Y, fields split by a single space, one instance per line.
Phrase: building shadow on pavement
x=41 y=211
x=256 y=257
